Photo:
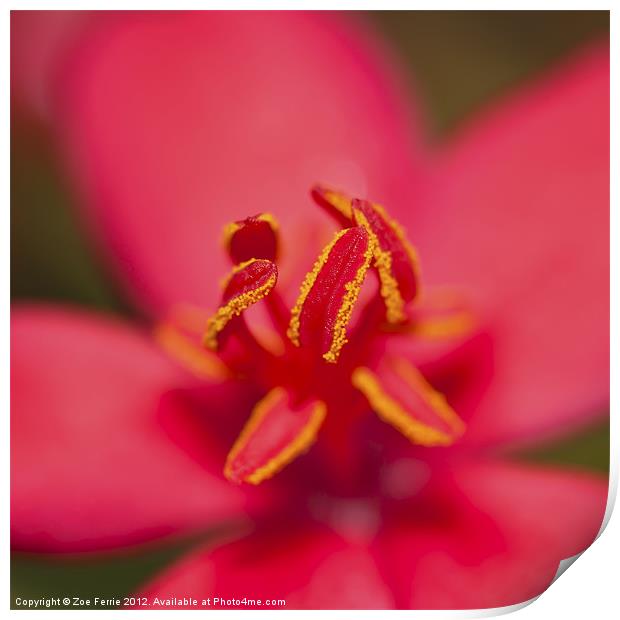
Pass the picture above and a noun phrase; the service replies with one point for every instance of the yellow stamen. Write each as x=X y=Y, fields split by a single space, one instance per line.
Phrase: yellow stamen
x=235 y=270
x=306 y=287
x=353 y=288
x=389 y=290
x=400 y=233
x=235 y=306
x=390 y=411
x=340 y=202
x=434 y=399
x=302 y=441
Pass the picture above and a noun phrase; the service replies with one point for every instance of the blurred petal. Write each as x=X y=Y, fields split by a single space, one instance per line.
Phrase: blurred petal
x=518 y=216
x=497 y=542
x=237 y=112
x=39 y=42
x=311 y=568
x=92 y=462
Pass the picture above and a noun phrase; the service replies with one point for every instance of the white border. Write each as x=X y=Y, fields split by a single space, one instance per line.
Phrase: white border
x=589 y=587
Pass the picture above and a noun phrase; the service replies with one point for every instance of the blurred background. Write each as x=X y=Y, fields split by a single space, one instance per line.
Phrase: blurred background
x=459 y=61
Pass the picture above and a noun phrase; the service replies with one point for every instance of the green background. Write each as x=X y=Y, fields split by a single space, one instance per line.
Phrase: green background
x=458 y=62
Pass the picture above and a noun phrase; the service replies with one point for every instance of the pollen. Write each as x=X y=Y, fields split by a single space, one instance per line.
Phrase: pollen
x=274 y=435
x=337 y=204
x=353 y=288
x=392 y=412
x=389 y=290
x=329 y=292
x=249 y=282
x=306 y=287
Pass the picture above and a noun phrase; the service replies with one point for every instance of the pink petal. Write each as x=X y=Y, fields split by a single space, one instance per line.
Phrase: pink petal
x=177 y=123
x=497 y=541
x=518 y=216
x=93 y=418
x=40 y=40
x=309 y=567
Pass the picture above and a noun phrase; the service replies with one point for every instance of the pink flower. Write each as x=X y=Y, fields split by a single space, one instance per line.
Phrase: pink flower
x=176 y=124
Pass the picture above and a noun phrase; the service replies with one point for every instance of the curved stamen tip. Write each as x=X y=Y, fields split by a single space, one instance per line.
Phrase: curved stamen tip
x=336 y=203
x=328 y=294
x=254 y=237
x=249 y=282
x=395 y=258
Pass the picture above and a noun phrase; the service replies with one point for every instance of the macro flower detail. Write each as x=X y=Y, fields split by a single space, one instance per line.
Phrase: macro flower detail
x=302 y=380
x=196 y=413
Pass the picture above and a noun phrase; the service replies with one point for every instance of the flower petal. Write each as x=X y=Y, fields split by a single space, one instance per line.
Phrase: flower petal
x=328 y=294
x=310 y=568
x=517 y=215
x=169 y=143
x=496 y=541
x=92 y=462
x=276 y=433
x=39 y=42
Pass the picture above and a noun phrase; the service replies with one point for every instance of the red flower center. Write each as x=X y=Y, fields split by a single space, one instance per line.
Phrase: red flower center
x=332 y=354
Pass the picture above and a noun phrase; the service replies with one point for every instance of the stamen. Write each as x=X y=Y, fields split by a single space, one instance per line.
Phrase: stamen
x=439 y=315
x=249 y=282
x=254 y=237
x=434 y=399
x=394 y=303
x=329 y=292
x=275 y=434
x=395 y=258
x=402 y=397
x=337 y=204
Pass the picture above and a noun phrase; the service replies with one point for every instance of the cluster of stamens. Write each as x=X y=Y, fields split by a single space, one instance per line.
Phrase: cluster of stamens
x=287 y=419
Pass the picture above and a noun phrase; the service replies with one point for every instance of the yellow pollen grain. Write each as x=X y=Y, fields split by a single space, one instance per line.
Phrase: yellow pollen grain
x=261 y=409
x=304 y=439
x=306 y=286
x=352 y=288
x=235 y=270
x=389 y=290
x=234 y=308
x=402 y=237
x=340 y=202
x=390 y=411
x=434 y=399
